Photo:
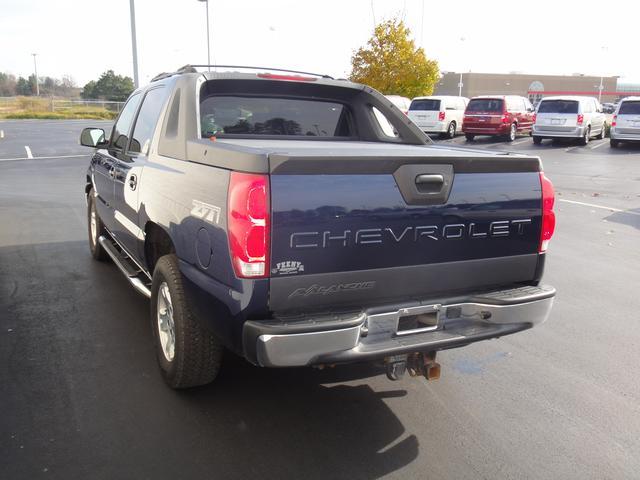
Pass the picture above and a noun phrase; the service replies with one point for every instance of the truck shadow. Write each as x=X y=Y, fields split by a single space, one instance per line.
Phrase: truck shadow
x=91 y=367
x=628 y=217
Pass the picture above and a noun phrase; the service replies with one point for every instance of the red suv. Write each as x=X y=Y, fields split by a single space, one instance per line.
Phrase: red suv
x=505 y=115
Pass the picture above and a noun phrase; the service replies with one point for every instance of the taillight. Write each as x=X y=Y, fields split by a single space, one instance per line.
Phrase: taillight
x=614 y=121
x=548 y=216
x=441 y=116
x=248 y=224
x=580 y=119
x=505 y=118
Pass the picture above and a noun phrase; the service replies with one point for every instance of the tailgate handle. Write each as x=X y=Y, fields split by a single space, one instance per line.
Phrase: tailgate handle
x=430 y=179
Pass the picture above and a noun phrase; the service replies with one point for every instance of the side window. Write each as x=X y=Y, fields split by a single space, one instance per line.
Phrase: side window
x=147 y=119
x=384 y=124
x=120 y=131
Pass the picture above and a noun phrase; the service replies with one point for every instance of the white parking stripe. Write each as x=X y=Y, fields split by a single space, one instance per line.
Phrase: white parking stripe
x=39 y=158
x=29 y=154
x=597 y=145
x=521 y=141
x=602 y=207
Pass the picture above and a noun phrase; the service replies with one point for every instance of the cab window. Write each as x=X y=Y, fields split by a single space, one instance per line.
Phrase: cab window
x=147 y=119
x=119 y=135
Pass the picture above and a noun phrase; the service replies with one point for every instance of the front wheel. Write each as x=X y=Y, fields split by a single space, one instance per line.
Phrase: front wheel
x=188 y=354
x=469 y=137
x=95 y=229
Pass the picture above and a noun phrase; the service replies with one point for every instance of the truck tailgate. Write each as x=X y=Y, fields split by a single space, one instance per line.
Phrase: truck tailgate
x=367 y=225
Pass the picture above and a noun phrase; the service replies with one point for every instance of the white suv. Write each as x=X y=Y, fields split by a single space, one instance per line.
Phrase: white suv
x=625 y=126
x=569 y=117
x=438 y=114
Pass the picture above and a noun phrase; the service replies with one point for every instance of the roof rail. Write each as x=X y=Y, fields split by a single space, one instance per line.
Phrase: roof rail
x=192 y=69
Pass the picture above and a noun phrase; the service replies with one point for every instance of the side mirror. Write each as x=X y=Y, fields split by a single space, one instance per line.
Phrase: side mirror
x=93 y=137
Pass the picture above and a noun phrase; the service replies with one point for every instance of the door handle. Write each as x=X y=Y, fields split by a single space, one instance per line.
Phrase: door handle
x=133 y=181
x=428 y=178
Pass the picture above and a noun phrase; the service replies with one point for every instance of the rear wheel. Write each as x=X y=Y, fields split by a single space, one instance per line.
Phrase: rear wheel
x=603 y=132
x=451 y=130
x=614 y=143
x=188 y=354
x=95 y=229
x=587 y=136
x=537 y=140
x=469 y=137
x=512 y=132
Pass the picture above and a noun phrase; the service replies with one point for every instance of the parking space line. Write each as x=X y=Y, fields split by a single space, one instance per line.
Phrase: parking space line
x=521 y=141
x=40 y=158
x=29 y=154
x=597 y=145
x=602 y=207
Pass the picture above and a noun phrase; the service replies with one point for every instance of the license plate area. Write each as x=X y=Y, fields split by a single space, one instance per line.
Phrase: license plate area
x=418 y=320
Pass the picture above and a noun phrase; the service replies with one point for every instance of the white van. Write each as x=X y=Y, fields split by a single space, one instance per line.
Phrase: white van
x=625 y=126
x=438 y=114
x=569 y=117
x=401 y=102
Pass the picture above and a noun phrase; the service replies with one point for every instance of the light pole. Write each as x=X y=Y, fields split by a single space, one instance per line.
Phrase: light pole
x=134 y=46
x=208 y=42
x=460 y=82
x=35 y=69
x=604 y=49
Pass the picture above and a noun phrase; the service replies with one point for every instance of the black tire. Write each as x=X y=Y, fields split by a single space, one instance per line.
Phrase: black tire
x=587 y=136
x=469 y=137
x=97 y=252
x=513 y=132
x=537 y=140
x=614 y=143
x=451 y=130
x=197 y=354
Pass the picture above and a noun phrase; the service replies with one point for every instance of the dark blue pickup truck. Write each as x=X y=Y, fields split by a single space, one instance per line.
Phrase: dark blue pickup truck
x=298 y=220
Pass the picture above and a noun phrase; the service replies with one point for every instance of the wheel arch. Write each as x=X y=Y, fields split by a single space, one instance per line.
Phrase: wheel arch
x=157 y=243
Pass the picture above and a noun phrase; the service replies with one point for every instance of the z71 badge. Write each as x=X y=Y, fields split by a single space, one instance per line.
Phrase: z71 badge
x=288 y=268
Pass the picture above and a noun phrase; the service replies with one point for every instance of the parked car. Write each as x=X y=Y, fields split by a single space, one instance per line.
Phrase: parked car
x=274 y=216
x=625 y=126
x=504 y=115
x=569 y=117
x=438 y=114
x=401 y=102
x=608 y=108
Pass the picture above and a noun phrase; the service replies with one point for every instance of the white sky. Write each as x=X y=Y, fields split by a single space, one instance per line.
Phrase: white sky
x=83 y=38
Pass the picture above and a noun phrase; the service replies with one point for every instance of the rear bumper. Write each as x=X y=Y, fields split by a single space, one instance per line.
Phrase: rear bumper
x=577 y=132
x=436 y=127
x=631 y=137
x=501 y=129
x=371 y=335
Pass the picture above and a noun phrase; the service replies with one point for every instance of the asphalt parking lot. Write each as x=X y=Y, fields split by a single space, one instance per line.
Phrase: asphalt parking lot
x=81 y=396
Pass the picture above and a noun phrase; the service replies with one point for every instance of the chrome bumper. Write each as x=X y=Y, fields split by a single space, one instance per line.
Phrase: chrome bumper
x=370 y=336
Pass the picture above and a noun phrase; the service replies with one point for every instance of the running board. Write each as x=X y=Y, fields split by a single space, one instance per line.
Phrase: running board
x=137 y=278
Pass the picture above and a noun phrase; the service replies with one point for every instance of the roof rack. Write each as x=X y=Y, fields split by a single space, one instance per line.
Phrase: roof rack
x=192 y=69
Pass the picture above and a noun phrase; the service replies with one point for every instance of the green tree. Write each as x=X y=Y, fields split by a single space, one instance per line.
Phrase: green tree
x=23 y=86
x=109 y=87
x=391 y=63
x=7 y=85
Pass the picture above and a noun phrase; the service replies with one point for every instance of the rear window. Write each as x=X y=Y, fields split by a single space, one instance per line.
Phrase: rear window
x=485 y=105
x=427 y=104
x=629 y=108
x=239 y=115
x=558 y=106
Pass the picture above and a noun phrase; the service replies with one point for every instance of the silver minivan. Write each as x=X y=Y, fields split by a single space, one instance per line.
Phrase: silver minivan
x=625 y=126
x=441 y=114
x=569 y=117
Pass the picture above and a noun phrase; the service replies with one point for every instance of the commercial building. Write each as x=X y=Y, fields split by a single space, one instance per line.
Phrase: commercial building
x=527 y=85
